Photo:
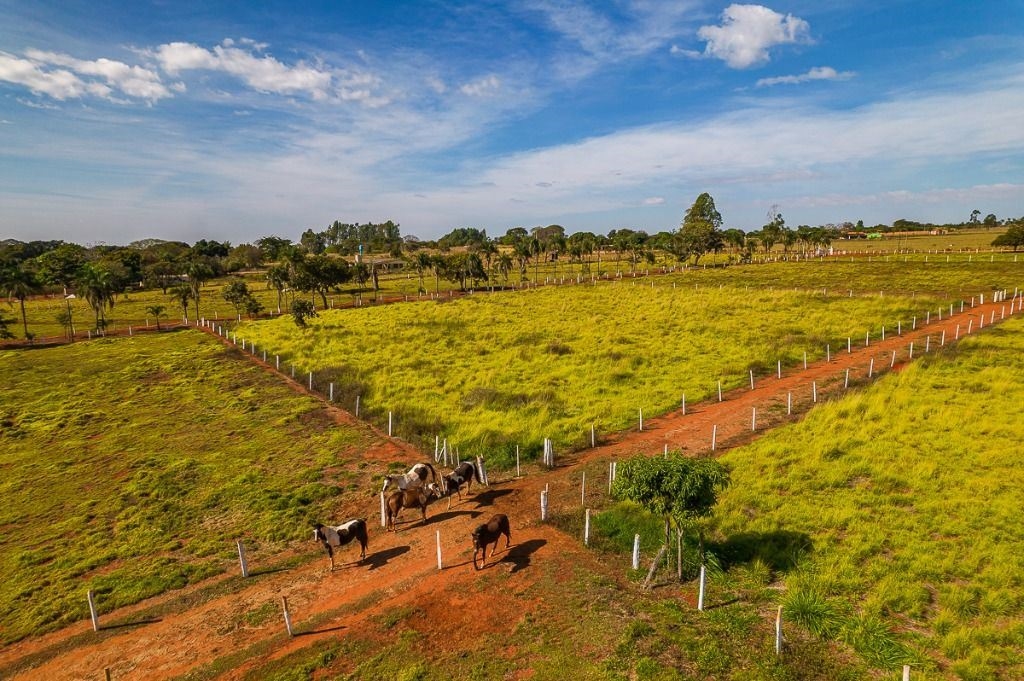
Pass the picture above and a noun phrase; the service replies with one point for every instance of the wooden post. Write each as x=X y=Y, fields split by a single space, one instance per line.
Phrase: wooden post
x=287 y=615
x=389 y=424
x=789 y=403
x=684 y=404
x=906 y=672
x=751 y=379
x=241 y=557
x=871 y=368
x=277 y=362
x=911 y=351
x=330 y=394
x=814 y=391
x=544 y=505
x=586 y=528
x=517 y=461
x=848 y=348
x=593 y=436
x=753 y=418
x=636 y=552
x=483 y=470
x=778 y=369
x=828 y=353
x=92 y=611
x=942 y=341
x=719 y=390
x=357 y=406
x=583 y=490
x=700 y=592
x=714 y=436
x=383 y=511
x=438 y=535
x=310 y=380
x=805 y=360
x=641 y=420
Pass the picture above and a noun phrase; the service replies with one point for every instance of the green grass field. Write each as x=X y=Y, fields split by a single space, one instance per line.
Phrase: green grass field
x=910 y=494
x=491 y=372
x=131 y=465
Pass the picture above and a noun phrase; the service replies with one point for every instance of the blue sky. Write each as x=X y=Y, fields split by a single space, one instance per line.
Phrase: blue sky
x=122 y=121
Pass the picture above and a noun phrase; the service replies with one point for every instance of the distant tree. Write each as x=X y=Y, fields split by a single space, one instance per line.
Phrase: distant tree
x=199 y=270
x=700 y=231
x=1013 y=236
x=302 y=310
x=244 y=256
x=321 y=273
x=237 y=293
x=98 y=285
x=157 y=311
x=272 y=247
x=60 y=266
x=19 y=280
x=680 y=489
x=314 y=242
x=182 y=294
x=990 y=220
x=975 y=214
x=278 y=277
x=211 y=249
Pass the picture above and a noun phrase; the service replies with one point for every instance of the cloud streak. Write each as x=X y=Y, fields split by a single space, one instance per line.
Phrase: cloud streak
x=816 y=73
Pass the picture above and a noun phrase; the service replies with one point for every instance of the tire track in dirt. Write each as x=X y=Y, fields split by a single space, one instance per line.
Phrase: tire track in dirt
x=402 y=565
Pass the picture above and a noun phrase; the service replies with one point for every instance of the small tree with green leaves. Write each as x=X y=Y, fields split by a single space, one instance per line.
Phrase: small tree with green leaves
x=681 y=490
x=303 y=310
x=4 y=322
x=157 y=311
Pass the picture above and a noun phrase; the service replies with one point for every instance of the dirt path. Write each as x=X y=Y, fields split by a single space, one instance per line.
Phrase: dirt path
x=402 y=567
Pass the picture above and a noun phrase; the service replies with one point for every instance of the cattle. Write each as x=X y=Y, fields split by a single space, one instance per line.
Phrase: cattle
x=413 y=478
x=409 y=498
x=491 y=531
x=451 y=484
x=339 y=535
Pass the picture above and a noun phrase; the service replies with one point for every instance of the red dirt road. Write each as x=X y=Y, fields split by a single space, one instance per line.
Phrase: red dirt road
x=401 y=568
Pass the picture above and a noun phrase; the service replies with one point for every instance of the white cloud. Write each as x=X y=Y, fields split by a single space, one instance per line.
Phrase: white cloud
x=134 y=81
x=262 y=73
x=816 y=73
x=59 y=84
x=654 y=201
x=747 y=33
x=692 y=54
x=481 y=87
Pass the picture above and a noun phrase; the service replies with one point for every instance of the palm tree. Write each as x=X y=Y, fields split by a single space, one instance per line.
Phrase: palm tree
x=98 y=285
x=157 y=311
x=19 y=281
x=199 y=272
x=181 y=294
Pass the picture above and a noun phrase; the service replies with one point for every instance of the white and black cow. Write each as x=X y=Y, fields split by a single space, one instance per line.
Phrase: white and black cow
x=339 y=535
x=452 y=483
x=413 y=478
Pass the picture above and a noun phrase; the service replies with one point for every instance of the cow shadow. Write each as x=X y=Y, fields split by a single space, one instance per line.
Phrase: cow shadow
x=487 y=497
x=446 y=515
x=519 y=555
x=132 y=623
x=327 y=630
x=381 y=558
x=780 y=550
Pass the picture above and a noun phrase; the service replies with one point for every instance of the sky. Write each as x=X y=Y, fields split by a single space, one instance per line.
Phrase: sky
x=237 y=120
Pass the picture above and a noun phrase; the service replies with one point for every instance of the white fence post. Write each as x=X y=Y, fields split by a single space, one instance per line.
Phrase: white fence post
x=586 y=528
x=700 y=592
x=92 y=611
x=714 y=436
x=544 y=504
x=438 y=534
x=383 y=511
x=241 y=558
x=778 y=632
x=636 y=552
x=287 y=615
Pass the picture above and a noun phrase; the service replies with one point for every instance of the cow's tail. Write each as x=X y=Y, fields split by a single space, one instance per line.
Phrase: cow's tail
x=476 y=474
x=433 y=473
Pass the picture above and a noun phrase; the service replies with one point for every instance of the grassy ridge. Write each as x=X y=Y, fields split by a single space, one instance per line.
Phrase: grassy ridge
x=131 y=465
x=493 y=372
x=910 y=494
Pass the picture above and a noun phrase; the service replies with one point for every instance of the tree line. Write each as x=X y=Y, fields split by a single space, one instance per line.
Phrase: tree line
x=322 y=261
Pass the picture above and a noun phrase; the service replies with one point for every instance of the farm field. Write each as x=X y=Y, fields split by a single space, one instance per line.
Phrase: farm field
x=471 y=371
x=911 y=503
x=551 y=618
x=127 y=462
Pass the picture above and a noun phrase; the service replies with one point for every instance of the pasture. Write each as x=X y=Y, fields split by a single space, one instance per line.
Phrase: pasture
x=130 y=465
x=491 y=373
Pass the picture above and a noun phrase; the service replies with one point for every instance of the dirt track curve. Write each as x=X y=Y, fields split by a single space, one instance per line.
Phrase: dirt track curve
x=402 y=566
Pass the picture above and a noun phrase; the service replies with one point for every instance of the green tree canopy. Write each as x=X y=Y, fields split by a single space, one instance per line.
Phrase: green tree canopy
x=700 y=231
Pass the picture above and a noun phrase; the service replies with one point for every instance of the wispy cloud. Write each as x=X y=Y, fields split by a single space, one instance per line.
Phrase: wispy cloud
x=133 y=81
x=816 y=73
x=748 y=32
x=481 y=87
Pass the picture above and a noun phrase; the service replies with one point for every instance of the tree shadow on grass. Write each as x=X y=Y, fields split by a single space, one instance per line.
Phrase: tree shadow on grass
x=133 y=623
x=780 y=550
